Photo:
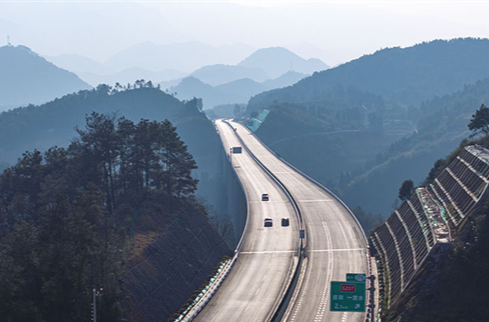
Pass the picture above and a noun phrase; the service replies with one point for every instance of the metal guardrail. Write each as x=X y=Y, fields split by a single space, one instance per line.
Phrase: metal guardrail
x=193 y=312
x=207 y=294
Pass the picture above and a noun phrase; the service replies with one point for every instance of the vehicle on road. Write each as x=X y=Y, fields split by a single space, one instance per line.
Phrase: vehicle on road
x=264 y=197
x=285 y=221
x=268 y=222
x=236 y=149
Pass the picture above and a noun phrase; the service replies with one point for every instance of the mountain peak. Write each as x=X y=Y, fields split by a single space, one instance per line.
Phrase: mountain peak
x=275 y=60
x=19 y=49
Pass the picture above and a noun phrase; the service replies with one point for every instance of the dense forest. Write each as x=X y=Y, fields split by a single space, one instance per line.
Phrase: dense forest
x=361 y=137
x=53 y=124
x=441 y=127
x=68 y=216
x=403 y=75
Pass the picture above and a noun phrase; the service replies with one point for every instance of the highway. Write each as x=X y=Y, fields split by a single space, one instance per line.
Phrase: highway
x=267 y=256
x=335 y=243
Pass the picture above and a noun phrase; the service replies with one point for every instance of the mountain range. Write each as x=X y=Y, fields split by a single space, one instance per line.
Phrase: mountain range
x=214 y=65
x=364 y=127
x=265 y=69
x=264 y=64
x=440 y=129
x=151 y=61
x=217 y=84
x=234 y=92
x=403 y=75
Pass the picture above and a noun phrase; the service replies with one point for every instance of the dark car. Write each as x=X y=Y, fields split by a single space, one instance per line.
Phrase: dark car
x=285 y=221
x=268 y=222
x=264 y=197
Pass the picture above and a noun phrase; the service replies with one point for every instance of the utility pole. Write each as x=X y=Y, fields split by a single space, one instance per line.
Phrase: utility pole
x=95 y=293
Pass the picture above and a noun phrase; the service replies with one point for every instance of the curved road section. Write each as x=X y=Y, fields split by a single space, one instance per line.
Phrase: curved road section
x=336 y=244
x=266 y=256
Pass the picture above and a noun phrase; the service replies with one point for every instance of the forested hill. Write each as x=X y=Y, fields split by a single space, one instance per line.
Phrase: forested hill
x=403 y=75
x=437 y=133
x=27 y=78
x=93 y=215
x=23 y=129
x=40 y=127
x=367 y=144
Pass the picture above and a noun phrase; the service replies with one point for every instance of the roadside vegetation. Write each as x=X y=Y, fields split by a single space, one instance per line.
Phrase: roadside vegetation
x=69 y=217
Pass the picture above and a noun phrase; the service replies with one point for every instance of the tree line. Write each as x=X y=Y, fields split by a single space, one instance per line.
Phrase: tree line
x=68 y=216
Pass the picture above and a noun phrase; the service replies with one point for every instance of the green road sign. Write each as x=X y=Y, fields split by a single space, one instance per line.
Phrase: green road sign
x=356 y=277
x=348 y=296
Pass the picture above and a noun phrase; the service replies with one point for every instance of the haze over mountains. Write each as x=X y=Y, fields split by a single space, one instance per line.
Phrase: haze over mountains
x=265 y=69
x=216 y=84
x=184 y=56
x=152 y=61
x=27 y=78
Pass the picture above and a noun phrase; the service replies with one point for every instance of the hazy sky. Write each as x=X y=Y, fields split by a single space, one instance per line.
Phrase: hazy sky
x=334 y=31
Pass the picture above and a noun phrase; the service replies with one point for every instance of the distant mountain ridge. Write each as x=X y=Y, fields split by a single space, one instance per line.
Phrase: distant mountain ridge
x=404 y=75
x=366 y=126
x=275 y=61
x=27 y=78
x=265 y=69
x=214 y=65
x=439 y=131
x=221 y=74
x=151 y=61
x=234 y=92
x=262 y=65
